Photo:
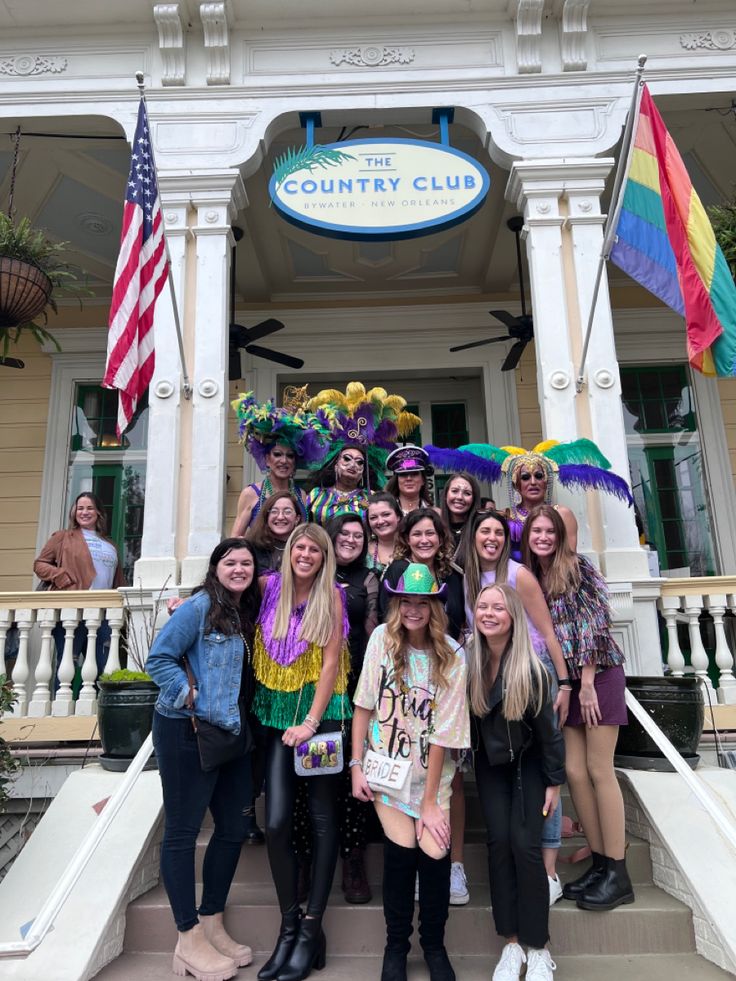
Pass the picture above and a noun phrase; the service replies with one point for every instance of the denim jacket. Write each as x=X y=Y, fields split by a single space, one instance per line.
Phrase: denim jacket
x=215 y=659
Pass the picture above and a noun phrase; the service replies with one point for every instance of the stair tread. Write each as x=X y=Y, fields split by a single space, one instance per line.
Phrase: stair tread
x=638 y=967
x=247 y=894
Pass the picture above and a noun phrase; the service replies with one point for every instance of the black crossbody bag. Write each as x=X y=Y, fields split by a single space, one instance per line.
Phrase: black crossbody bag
x=218 y=746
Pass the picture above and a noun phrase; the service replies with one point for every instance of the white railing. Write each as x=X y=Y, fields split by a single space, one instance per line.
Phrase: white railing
x=681 y=602
x=44 y=919
x=31 y=619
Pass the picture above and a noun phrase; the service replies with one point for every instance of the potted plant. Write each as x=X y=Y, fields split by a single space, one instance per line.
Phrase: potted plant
x=30 y=272
x=127 y=696
x=675 y=703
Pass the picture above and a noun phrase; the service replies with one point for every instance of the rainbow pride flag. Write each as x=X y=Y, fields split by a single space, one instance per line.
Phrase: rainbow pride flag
x=665 y=242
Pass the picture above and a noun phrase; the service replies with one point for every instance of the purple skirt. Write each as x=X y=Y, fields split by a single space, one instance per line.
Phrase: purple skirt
x=610 y=687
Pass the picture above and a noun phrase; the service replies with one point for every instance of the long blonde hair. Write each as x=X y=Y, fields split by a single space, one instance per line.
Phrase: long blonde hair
x=525 y=681
x=441 y=653
x=319 y=615
x=563 y=574
x=471 y=564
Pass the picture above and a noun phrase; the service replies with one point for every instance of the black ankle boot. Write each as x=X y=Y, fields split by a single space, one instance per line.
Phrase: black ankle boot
x=399 y=873
x=434 y=904
x=576 y=888
x=308 y=953
x=610 y=890
x=284 y=944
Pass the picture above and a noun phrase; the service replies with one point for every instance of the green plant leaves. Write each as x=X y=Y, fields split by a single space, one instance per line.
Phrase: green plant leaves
x=723 y=220
x=307 y=158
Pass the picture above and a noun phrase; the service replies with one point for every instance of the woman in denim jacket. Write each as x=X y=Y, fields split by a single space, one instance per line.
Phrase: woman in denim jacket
x=214 y=632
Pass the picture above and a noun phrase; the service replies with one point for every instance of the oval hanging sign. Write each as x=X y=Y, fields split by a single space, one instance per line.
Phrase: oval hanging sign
x=377 y=189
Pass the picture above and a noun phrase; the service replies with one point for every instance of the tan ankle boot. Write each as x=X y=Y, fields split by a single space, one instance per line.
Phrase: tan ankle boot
x=214 y=930
x=195 y=955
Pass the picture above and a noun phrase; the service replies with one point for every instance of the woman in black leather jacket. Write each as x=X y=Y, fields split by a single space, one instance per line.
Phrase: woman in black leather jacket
x=519 y=767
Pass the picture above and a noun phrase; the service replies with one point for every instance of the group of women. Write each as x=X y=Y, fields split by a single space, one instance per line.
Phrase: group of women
x=406 y=638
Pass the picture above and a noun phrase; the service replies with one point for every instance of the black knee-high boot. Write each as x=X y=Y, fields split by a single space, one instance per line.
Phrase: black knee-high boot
x=399 y=873
x=434 y=903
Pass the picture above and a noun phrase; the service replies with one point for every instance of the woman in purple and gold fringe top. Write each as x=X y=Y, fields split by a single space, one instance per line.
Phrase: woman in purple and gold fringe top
x=300 y=661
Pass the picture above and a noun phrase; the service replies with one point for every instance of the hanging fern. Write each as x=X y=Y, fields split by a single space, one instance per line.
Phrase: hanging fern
x=307 y=158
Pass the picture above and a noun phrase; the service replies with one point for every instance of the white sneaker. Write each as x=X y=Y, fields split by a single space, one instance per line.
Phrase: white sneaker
x=555 y=889
x=509 y=967
x=539 y=965
x=459 y=894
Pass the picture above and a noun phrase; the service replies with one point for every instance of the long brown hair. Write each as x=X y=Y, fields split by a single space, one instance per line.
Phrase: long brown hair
x=100 y=523
x=259 y=534
x=443 y=558
x=475 y=488
x=525 y=684
x=563 y=574
x=471 y=560
x=440 y=650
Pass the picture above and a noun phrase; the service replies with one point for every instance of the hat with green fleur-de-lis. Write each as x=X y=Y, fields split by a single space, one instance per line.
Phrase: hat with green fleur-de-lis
x=417 y=580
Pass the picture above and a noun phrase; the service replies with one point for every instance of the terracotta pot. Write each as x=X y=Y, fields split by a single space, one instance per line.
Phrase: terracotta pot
x=24 y=291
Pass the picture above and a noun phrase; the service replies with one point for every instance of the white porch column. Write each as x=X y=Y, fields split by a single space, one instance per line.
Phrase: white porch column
x=560 y=201
x=217 y=198
x=158 y=562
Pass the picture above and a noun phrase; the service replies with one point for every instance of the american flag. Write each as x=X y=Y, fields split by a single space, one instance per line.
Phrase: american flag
x=140 y=275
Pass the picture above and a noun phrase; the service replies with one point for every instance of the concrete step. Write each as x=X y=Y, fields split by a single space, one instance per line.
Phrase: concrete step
x=655 y=923
x=253 y=865
x=642 y=967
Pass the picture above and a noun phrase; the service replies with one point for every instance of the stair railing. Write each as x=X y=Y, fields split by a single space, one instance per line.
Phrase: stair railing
x=51 y=908
x=724 y=821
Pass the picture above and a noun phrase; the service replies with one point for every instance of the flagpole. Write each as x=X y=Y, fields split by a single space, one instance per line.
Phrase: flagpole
x=186 y=383
x=609 y=231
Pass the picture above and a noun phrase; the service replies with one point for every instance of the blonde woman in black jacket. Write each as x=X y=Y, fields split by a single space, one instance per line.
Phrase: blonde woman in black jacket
x=519 y=766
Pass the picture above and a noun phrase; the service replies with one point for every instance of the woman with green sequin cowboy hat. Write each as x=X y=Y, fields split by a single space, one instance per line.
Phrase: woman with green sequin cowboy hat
x=411 y=707
x=280 y=439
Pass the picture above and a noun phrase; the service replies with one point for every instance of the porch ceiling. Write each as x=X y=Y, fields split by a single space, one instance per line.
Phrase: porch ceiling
x=73 y=186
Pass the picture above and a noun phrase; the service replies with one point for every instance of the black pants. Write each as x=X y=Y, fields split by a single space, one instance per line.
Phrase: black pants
x=188 y=792
x=512 y=798
x=281 y=789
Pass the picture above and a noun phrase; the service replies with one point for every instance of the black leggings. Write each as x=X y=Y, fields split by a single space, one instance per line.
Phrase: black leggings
x=281 y=788
x=512 y=798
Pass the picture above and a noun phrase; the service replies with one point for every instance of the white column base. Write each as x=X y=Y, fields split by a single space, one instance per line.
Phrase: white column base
x=625 y=564
x=193 y=569
x=727 y=691
x=155 y=574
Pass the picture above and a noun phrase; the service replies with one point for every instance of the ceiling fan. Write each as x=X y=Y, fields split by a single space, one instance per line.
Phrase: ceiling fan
x=241 y=338
x=520 y=329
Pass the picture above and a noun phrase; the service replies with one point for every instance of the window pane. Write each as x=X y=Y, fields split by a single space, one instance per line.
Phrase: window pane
x=449 y=424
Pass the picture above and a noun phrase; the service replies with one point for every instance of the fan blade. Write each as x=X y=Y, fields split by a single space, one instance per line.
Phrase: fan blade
x=269 y=355
x=12 y=363
x=488 y=340
x=264 y=329
x=506 y=318
x=514 y=356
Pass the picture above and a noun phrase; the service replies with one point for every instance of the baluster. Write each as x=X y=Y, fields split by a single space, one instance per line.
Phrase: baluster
x=40 y=703
x=87 y=701
x=63 y=704
x=724 y=660
x=698 y=653
x=115 y=619
x=6 y=619
x=24 y=619
x=675 y=660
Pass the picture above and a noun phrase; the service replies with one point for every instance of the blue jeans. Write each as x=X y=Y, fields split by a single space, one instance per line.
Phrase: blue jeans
x=552 y=827
x=188 y=792
x=79 y=650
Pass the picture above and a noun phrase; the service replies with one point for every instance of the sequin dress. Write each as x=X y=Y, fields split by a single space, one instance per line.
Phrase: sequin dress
x=287 y=669
x=405 y=722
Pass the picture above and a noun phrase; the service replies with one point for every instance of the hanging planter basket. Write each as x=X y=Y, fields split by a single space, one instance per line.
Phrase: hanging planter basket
x=24 y=291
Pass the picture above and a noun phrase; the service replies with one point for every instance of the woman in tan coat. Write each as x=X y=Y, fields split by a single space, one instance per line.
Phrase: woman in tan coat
x=81 y=557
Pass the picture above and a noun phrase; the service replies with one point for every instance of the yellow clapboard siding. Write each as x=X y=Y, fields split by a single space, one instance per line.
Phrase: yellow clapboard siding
x=14 y=583
x=23 y=436
x=20 y=510
x=16 y=413
x=75 y=728
x=13 y=485
x=727 y=392
x=23 y=460
x=16 y=535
